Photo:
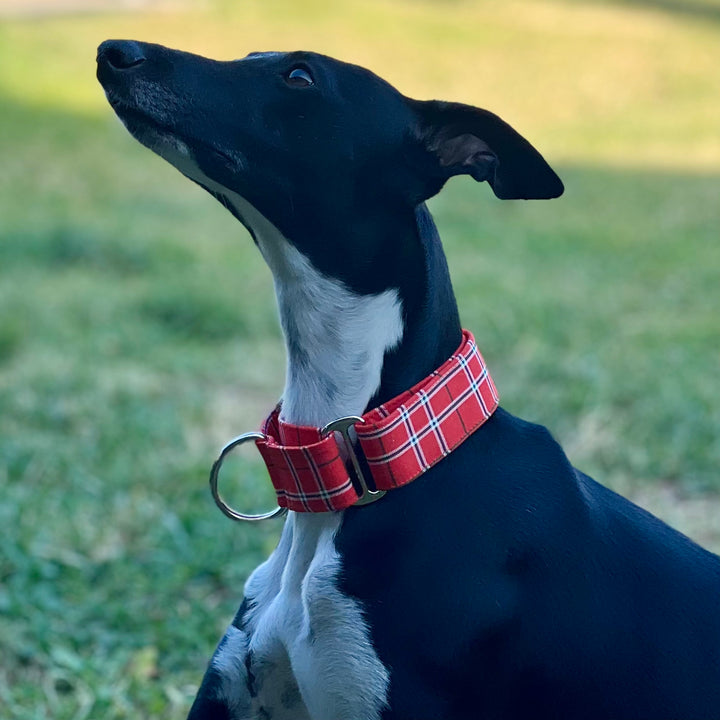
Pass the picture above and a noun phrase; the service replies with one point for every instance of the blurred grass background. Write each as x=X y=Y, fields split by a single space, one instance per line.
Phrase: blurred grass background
x=138 y=329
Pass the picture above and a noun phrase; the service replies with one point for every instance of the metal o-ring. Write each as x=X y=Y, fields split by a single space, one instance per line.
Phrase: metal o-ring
x=214 y=475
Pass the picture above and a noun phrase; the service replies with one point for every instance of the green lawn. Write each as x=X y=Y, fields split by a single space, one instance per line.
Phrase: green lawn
x=138 y=329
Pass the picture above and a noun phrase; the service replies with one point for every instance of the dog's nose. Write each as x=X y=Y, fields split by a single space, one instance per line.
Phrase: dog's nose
x=120 y=54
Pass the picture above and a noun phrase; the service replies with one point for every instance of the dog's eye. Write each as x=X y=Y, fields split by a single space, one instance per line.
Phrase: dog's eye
x=299 y=77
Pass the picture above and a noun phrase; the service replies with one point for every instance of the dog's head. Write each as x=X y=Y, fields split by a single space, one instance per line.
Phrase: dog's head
x=312 y=144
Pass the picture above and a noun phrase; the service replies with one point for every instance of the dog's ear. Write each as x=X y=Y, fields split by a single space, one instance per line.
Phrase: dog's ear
x=461 y=139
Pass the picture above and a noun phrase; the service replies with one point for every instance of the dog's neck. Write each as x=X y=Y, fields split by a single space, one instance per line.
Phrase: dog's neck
x=431 y=322
x=336 y=339
x=348 y=351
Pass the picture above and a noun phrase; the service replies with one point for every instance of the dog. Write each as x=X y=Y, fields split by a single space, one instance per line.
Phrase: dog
x=501 y=583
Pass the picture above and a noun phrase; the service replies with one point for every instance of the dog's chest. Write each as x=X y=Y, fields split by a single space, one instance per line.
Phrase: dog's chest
x=302 y=649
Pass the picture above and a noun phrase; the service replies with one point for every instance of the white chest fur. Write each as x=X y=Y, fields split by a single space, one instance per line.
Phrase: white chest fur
x=304 y=651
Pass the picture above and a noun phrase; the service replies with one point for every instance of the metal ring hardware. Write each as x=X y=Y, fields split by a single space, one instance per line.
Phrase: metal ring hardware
x=215 y=472
x=342 y=425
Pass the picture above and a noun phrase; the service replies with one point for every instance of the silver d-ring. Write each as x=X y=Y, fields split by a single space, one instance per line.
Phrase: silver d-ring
x=215 y=473
x=342 y=425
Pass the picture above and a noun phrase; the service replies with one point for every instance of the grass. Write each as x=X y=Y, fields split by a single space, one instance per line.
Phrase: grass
x=138 y=331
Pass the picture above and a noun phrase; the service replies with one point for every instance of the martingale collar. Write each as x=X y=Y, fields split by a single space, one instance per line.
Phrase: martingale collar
x=400 y=440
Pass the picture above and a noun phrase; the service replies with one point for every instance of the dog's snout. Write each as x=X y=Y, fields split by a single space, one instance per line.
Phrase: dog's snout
x=120 y=54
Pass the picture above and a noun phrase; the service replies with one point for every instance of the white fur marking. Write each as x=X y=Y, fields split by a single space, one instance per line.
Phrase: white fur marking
x=315 y=630
x=229 y=662
x=336 y=338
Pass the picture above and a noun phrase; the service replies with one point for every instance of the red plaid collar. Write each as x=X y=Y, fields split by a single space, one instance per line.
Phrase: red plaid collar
x=400 y=439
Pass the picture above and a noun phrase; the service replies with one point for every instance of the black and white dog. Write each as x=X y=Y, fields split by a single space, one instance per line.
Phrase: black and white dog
x=502 y=583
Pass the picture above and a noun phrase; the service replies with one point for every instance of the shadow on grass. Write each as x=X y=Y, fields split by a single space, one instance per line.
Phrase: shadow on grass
x=700 y=10
x=708 y=10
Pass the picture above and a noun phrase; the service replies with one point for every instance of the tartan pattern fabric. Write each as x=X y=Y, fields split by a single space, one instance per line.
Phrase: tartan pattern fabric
x=307 y=471
x=410 y=433
x=400 y=439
